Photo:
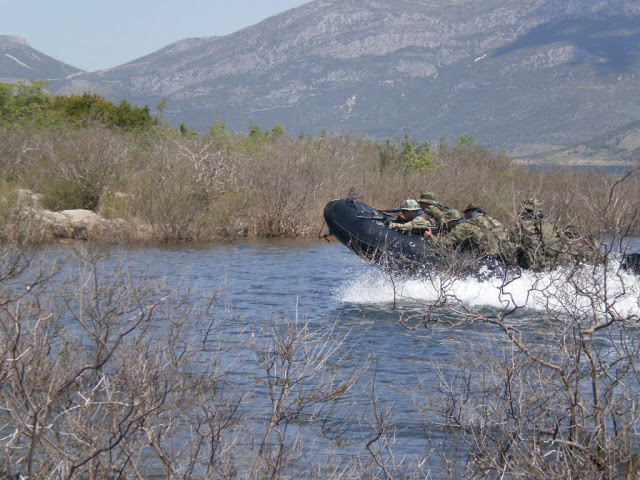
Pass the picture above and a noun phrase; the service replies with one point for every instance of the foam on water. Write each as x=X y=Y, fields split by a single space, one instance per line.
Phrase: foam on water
x=558 y=290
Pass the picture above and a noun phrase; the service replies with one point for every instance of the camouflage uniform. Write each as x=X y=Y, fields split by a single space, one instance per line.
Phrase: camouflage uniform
x=449 y=220
x=434 y=212
x=538 y=243
x=417 y=220
x=578 y=247
x=480 y=234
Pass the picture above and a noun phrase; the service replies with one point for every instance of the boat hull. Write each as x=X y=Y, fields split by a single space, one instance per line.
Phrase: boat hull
x=365 y=231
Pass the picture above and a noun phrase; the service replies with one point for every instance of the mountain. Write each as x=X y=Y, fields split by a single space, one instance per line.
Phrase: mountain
x=18 y=61
x=525 y=75
x=619 y=147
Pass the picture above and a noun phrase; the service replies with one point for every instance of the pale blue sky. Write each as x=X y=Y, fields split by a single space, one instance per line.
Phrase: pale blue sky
x=97 y=34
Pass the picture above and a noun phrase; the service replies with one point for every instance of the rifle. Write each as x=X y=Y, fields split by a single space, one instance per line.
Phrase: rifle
x=391 y=213
x=419 y=230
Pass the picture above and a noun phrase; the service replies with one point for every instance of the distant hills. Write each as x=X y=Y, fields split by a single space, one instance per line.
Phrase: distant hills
x=530 y=76
x=18 y=61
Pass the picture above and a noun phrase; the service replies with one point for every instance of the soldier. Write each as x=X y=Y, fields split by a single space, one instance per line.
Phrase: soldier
x=538 y=243
x=412 y=220
x=579 y=248
x=449 y=220
x=478 y=233
x=433 y=211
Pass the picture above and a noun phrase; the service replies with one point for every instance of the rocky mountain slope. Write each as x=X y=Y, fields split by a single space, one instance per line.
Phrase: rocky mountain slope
x=18 y=61
x=516 y=74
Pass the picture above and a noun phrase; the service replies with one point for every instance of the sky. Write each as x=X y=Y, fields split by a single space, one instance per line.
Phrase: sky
x=97 y=34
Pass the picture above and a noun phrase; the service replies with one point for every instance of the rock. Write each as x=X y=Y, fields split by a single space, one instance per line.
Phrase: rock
x=79 y=224
x=84 y=223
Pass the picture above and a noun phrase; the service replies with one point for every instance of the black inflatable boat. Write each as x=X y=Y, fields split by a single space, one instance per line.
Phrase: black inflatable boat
x=366 y=232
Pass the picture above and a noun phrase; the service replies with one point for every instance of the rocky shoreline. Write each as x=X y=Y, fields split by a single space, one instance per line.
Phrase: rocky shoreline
x=77 y=224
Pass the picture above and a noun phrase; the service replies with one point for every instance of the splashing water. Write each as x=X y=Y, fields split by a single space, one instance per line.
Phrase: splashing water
x=581 y=290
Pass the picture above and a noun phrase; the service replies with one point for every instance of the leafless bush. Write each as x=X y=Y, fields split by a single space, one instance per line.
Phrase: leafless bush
x=172 y=187
x=84 y=373
x=72 y=169
x=551 y=389
x=105 y=375
x=173 y=192
x=301 y=376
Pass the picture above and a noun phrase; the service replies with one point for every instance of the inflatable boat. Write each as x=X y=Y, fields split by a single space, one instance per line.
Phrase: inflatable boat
x=365 y=231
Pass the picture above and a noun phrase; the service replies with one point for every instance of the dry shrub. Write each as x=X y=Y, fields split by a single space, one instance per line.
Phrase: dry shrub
x=19 y=219
x=473 y=174
x=173 y=188
x=72 y=169
x=600 y=203
x=107 y=374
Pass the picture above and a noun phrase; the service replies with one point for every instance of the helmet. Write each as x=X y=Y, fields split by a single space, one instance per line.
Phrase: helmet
x=572 y=230
x=530 y=204
x=427 y=198
x=410 y=204
x=451 y=215
x=472 y=206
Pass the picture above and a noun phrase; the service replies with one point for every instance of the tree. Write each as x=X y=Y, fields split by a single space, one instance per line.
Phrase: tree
x=417 y=158
x=186 y=132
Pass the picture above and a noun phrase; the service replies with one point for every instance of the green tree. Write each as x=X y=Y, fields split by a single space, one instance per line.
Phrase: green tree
x=277 y=131
x=186 y=132
x=387 y=153
x=464 y=141
x=417 y=158
x=23 y=102
x=222 y=138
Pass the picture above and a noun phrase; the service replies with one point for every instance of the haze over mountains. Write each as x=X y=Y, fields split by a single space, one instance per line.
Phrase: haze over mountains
x=512 y=74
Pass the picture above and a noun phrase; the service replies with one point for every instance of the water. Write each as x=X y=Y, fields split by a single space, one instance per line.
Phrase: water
x=379 y=318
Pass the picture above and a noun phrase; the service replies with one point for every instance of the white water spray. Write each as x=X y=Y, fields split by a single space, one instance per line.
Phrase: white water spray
x=563 y=289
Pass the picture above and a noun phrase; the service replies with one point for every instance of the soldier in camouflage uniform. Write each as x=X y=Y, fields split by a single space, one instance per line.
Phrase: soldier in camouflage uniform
x=449 y=220
x=538 y=243
x=411 y=219
x=478 y=233
x=433 y=211
x=579 y=248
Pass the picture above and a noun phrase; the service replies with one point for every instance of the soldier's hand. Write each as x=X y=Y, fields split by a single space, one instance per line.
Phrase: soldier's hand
x=428 y=232
x=394 y=225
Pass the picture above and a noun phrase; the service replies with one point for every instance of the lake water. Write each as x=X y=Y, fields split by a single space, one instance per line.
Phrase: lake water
x=323 y=283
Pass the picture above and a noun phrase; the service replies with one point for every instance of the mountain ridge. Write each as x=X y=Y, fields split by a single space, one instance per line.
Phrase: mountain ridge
x=508 y=73
x=18 y=62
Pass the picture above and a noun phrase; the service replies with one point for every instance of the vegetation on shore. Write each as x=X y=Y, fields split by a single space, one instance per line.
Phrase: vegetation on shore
x=82 y=152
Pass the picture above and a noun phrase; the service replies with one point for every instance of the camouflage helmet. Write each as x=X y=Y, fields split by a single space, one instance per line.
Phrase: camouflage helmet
x=572 y=230
x=451 y=215
x=472 y=206
x=530 y=204
x=427 y=198
x=410 y=204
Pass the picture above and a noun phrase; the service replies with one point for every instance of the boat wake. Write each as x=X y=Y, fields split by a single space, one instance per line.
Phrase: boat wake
x=583 y=291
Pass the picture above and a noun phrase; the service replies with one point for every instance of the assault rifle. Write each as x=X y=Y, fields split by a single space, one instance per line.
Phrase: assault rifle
x=419 y=230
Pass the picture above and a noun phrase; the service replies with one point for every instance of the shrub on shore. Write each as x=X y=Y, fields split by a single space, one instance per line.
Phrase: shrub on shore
x=173 y=186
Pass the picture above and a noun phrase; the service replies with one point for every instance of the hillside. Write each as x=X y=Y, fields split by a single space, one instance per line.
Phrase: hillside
x=510 y=73
x=618 y=147
x=18 y=61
